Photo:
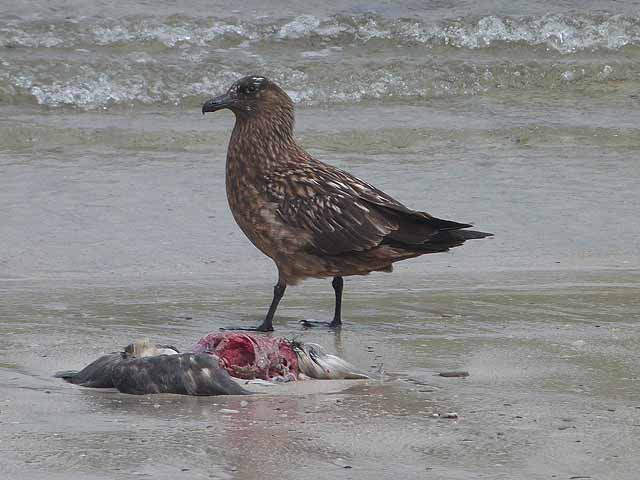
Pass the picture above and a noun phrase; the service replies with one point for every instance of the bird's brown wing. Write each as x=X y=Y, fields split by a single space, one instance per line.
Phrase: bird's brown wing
x=377 y=198
x=341 y=213
x=336 y=223
x=317 y=200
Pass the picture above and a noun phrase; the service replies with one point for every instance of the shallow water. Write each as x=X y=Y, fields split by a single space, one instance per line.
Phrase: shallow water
x=519 y=117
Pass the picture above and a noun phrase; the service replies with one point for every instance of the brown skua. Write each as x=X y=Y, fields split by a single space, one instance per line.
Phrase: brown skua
x=313 y=219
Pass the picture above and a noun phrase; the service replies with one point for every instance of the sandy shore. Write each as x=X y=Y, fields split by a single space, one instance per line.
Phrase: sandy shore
x=552 y=392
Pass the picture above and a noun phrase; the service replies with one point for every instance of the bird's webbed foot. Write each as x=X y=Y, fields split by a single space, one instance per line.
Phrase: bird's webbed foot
x=315 y=324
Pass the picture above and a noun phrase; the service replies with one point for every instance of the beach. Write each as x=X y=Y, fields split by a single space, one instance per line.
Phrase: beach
x=521 y=119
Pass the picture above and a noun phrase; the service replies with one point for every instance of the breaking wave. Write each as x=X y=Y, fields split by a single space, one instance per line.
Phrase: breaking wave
x=562 y=33
x=94 y=63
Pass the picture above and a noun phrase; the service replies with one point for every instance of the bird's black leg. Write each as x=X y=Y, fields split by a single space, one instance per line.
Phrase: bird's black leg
x=267 y=323
x=337 y=287
x=278 y=292
x=337 y=320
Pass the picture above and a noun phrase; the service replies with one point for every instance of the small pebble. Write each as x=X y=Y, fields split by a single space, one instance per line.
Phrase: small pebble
x=341 y=463
x=228 y=410
x=244 y=403
x=453 y=374
x=450 y=415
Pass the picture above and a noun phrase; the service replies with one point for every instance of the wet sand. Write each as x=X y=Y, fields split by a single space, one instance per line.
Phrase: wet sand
x=552 y=391
x=115 y=228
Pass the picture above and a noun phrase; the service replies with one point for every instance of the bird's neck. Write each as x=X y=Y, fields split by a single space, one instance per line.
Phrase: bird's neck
x=260 y=141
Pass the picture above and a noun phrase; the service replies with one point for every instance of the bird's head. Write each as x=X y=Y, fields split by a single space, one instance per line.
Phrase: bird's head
x=251 y=96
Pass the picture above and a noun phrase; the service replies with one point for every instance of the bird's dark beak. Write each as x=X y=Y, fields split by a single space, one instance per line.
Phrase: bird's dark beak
x=218 y=103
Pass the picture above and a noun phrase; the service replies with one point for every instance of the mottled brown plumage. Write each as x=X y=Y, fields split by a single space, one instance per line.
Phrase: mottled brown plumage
x=313 y=219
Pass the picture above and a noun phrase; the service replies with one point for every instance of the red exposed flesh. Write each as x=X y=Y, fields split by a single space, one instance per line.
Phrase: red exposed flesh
x=248 y=356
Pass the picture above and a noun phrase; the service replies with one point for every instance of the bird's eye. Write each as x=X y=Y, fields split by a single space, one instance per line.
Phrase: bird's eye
x=251 y=88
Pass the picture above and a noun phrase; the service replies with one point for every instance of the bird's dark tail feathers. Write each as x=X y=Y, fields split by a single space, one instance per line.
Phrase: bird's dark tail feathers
x=468 y=234
x=423 y=233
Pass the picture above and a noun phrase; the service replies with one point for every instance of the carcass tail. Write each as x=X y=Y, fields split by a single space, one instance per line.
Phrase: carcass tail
x=67 y=375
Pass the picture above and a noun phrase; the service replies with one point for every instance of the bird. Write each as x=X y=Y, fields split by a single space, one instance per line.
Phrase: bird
x=313 y=219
